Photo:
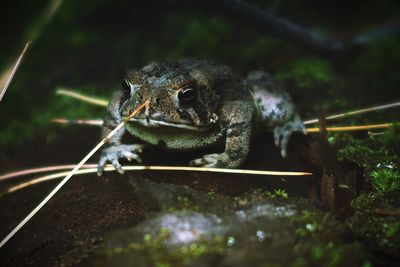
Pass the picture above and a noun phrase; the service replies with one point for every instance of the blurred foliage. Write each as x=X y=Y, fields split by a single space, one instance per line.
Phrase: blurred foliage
x=307 y=73
x=377 y=62
x=61 y=107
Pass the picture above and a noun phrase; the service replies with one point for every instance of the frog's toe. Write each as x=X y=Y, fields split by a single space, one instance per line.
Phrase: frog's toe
x=284 y=142
x=112 y=154
x=303 y=128
x=277 y=135
x=131 y=156
x=117 y=165
x=281 y=138
x=210 y=161
x=113 y=159
x=198 y=162
x=101 y=165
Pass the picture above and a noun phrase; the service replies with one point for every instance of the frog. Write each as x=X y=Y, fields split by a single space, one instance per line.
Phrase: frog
x=194 y=104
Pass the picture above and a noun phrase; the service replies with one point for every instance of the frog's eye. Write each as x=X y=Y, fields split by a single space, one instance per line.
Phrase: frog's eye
x=186 y=95
x=126 y=86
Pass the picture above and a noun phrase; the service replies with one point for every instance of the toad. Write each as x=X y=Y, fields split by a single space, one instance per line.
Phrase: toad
x=194 y=104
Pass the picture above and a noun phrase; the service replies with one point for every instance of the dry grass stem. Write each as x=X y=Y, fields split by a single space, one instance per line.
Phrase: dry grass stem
x=9 y=74
x=155 y=168
x=41 y=169
x=352 y=128
x=84 y=98
x=355 y=112
x=80 y=122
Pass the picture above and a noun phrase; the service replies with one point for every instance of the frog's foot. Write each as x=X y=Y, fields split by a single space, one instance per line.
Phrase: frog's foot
x=212 y=161
x=116 y=152
x=283 y=133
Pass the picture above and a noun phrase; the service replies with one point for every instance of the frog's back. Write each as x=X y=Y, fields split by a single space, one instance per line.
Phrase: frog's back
x=219 y=78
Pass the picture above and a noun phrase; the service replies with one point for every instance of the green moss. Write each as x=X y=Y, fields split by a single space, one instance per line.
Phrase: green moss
x=385 y=180
x=278 y=193
x=158 y=253
x=391 y=229
x=260 y=195
x=185 y=203
x=319 y=241
x=182 y=203
x=391 y=138
x=379 y=231
x=378 y=156
x=212 y=195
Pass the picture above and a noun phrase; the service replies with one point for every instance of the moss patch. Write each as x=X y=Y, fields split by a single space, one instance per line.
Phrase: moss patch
x=376 y=220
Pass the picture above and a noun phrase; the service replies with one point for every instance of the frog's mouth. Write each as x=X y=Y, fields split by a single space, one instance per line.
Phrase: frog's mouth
x=156 y=123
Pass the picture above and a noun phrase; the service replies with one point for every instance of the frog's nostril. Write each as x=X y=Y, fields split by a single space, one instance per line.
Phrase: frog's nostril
x=157 y=100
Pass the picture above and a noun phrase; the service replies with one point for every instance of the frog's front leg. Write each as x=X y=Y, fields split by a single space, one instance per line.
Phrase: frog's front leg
x=239 y=116
x=114 y=150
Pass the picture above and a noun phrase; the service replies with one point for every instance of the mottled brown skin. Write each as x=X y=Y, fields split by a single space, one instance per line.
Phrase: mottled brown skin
x=195 y=104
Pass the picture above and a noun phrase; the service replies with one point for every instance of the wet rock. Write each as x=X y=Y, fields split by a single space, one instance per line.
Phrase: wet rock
x=194 y=228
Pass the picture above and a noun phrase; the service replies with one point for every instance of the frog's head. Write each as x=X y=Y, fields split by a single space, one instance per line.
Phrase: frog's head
x=178 y=97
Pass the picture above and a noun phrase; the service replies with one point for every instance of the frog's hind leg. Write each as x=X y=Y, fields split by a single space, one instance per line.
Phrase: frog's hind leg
x=275 y=108
x=282 y=133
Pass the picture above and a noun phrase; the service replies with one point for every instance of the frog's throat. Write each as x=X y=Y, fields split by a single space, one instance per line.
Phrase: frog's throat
x=155 y=123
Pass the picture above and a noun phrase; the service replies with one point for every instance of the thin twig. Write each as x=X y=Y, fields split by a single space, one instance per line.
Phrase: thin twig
x=355 y=112
x=376 y=133
x=155 y=168
x=352 y=128
x=84 y=98
x=39 y=170
x=80 y=122
x=387 y=212
x=14 y=70
x=58 y=187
